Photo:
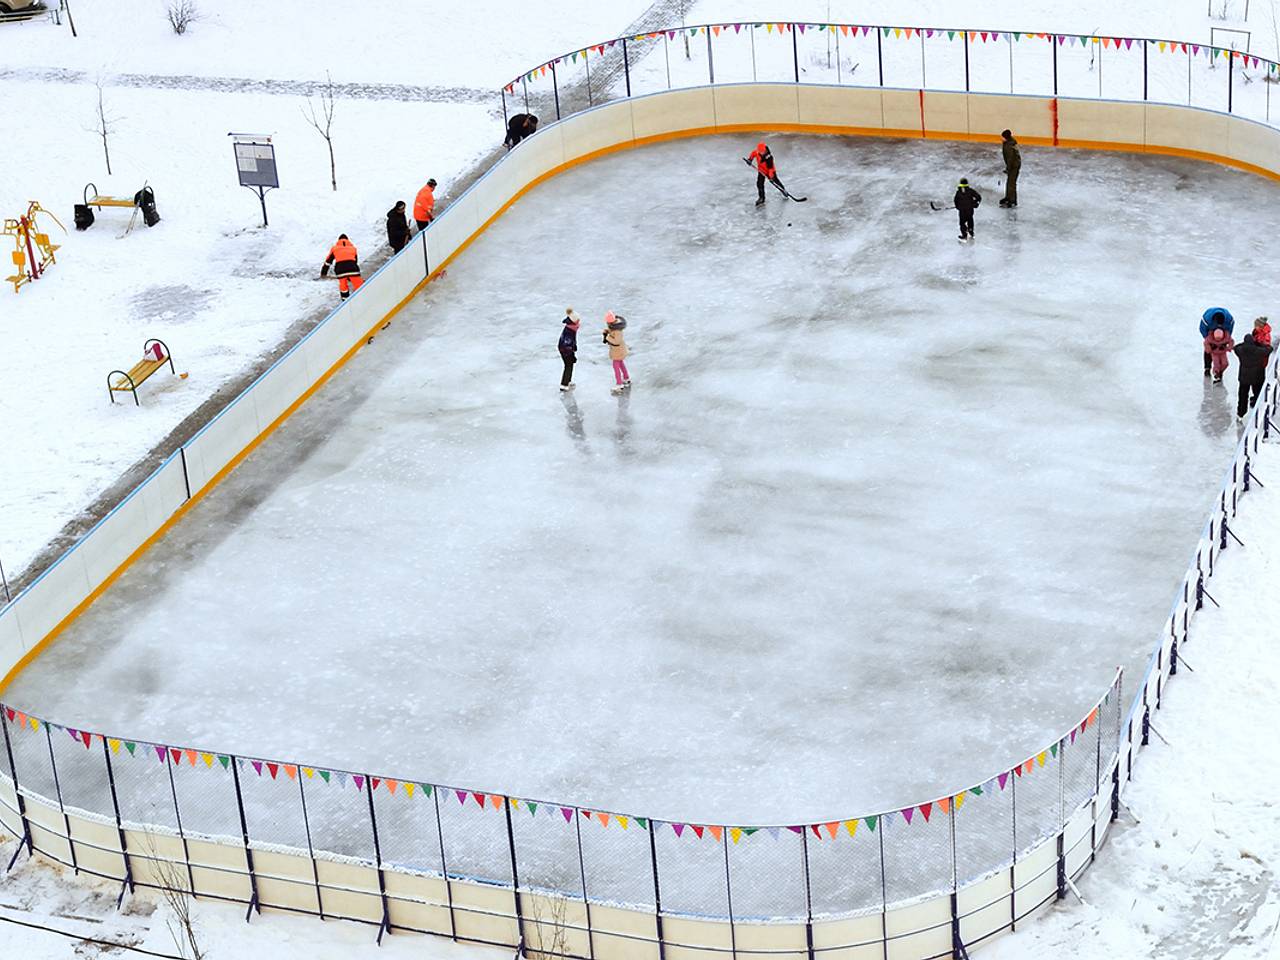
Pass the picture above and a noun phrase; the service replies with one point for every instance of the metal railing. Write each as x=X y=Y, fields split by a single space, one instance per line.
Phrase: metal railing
x=1137 y=69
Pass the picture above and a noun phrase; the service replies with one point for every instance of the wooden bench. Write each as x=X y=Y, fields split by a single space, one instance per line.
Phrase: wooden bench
x=99 y=200
x=131 y=379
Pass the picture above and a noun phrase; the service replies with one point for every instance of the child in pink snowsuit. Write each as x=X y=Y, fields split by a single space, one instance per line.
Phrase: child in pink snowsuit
x=613 y=327
x=1218 y=345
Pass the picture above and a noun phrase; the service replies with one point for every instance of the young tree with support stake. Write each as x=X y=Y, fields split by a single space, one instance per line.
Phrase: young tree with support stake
x=323 y=122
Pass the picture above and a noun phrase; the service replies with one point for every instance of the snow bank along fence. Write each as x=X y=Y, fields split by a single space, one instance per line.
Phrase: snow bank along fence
x=922 y=881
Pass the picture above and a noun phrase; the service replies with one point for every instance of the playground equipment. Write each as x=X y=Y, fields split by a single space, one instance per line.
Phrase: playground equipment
x=33 y=251
x=144 y=200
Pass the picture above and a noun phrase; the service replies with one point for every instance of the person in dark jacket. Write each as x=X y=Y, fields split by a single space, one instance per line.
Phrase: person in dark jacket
x=568 y=346
x=1012 y=167
x=967 y=200
x=518 y=127
x=1215 y=317
x=397 y=227
x=1253 y=372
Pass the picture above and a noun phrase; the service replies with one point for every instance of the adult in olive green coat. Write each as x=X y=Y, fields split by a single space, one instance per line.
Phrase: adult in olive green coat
x=1012 y=167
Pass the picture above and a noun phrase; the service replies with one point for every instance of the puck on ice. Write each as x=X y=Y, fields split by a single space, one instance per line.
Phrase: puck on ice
x=788 y=224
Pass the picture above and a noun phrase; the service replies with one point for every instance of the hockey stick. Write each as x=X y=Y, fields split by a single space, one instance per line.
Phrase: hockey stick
x=779 y=187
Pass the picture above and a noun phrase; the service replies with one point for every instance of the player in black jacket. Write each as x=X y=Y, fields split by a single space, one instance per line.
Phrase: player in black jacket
x=966 y=201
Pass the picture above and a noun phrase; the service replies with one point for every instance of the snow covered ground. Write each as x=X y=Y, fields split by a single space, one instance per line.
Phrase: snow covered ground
x=417 y=98
x=851 y=442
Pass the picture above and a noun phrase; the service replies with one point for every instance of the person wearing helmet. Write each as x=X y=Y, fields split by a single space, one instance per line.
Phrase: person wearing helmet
x=966 y=200
x=762 y=159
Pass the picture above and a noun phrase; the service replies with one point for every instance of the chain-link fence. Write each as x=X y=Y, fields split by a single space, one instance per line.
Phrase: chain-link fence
x=944 y=59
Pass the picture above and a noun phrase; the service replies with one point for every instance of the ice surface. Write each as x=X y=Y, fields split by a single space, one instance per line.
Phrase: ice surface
x=881 y=515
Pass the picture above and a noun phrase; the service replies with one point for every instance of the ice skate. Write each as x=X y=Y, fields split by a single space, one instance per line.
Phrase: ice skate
x=1005 y=203
x=566 y=387
x=760 y=202
x=626 y=383
x=1217 y=378
x=617 y=390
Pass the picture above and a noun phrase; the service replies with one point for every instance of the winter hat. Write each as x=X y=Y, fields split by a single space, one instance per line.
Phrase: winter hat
x=762 y=146
x=618 y=322
x=571 y=318
x=1218 y=334
x=964 y=181
x=1260 y=322
x=431 y=182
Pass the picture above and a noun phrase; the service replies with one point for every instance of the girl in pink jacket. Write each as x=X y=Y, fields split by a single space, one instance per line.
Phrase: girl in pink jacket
x=1218 y=345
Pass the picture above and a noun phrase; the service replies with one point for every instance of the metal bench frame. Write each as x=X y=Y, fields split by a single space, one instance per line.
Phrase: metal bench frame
x=134 y=385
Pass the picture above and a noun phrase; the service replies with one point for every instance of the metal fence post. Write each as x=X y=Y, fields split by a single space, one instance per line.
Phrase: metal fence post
x=57 y=786
x=115 y=807
x=555 y=89
x=586 y=63
x=711 y=63
x=177 y=813
x=1013 y=860
x=957 y=944
x=657 y=888
x=966 y=61
x=524 y=87
x=244 y=833
x=1053 y=42
x=444 y=867
x=515 y=876
x=311 y=851
x=5 y=580
x=1145 y=72
x=582 y=872
x=808 y=897
x=385 y=927
x=728 y=892
x=22 y=803
x=795 y=52
x=880 y=55
x=884 y=895
x=1231 y=73
x=626 y=66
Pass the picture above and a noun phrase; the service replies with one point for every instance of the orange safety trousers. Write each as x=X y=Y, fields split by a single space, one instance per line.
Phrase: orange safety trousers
x=348 y=284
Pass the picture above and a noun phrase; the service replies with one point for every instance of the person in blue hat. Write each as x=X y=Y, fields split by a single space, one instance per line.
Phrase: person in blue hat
x=1212 y=318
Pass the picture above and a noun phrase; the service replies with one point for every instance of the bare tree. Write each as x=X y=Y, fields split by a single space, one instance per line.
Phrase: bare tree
x=183 y=13
x=176 y=892
x=550 y=931
x=106 y=124
x=684 y=12
x=323 y=122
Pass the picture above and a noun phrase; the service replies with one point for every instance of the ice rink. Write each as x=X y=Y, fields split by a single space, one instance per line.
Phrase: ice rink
x=880 y=516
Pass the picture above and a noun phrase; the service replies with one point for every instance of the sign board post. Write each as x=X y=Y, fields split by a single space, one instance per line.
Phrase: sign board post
x=256 y=165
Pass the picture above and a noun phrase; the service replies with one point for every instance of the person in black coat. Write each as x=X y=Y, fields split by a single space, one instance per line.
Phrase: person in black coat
x=520 y=126
x=397 y=227
x=967 y=200
x=1253 y=372
x=568 y=347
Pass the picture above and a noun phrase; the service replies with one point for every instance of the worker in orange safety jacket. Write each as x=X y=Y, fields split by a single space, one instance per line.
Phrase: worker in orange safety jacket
x=424 y=207
x=342 y=257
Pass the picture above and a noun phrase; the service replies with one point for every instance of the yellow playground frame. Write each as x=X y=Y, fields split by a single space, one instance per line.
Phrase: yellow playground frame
x=33 y=253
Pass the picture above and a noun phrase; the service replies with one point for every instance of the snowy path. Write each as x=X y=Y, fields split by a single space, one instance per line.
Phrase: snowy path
x=1198 y=878
x=401 y=92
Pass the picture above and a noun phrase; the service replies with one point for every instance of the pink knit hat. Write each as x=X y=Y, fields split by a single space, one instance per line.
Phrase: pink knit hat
x=609 y=317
